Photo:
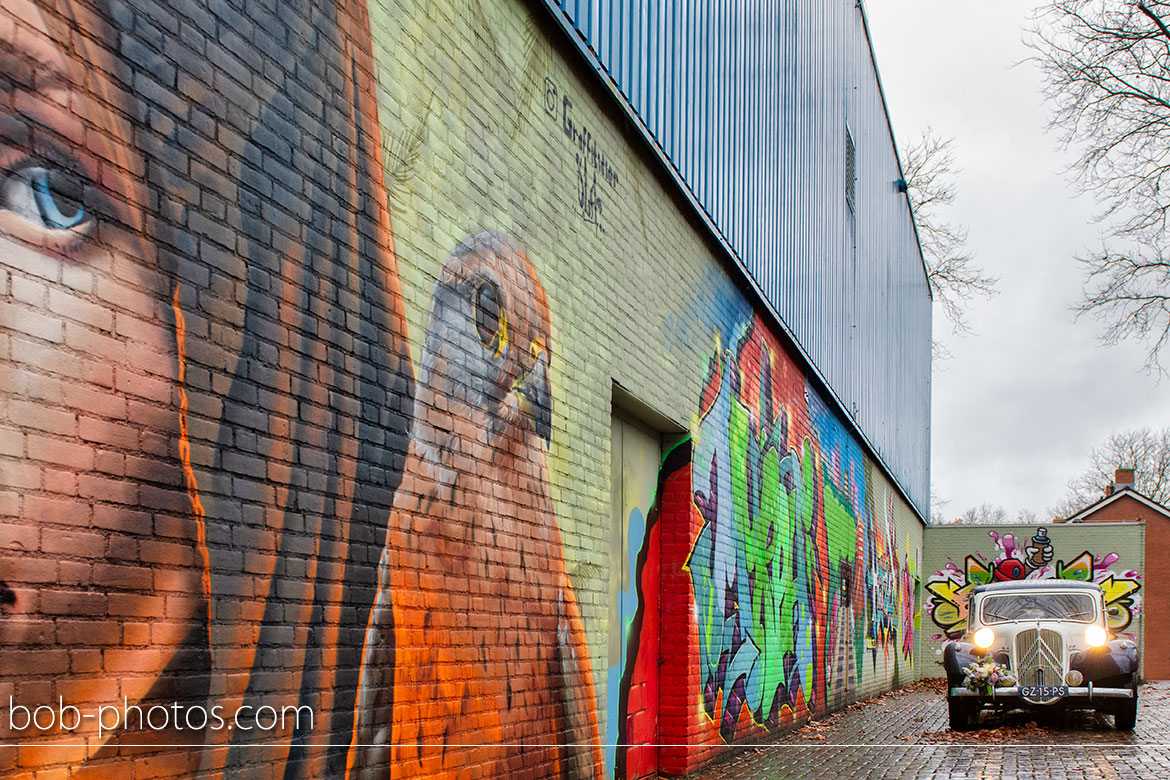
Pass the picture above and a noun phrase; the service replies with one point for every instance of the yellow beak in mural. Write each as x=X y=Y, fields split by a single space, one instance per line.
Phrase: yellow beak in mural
x=533 y=392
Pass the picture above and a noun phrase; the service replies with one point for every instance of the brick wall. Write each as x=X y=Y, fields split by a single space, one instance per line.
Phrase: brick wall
x=1156 y=590
x=1156 y=599
x=1123 y=509
x=310 y=319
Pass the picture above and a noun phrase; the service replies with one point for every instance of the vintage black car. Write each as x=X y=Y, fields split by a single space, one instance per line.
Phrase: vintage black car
x=1049 y=647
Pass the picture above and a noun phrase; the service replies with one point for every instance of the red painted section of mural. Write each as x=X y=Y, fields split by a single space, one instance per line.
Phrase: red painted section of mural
x=689 y=738
x=641 y=693
x=679 y=711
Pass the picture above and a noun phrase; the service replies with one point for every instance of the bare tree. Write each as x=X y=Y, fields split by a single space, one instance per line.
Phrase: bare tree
x=984 y=514
x=1106 y=65
x=938 y=505
x=1071 y=504
x=993 y=514
x=929 y=167
x=1145 y=450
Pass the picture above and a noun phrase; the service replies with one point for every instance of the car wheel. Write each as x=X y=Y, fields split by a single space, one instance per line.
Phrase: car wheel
x=962 y=713
x=1125 y=718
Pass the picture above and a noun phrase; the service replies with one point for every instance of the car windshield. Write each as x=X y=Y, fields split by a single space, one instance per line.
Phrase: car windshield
x=1002 y=607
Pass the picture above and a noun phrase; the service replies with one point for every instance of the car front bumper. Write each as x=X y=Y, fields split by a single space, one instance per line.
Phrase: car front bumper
x=1082 y=693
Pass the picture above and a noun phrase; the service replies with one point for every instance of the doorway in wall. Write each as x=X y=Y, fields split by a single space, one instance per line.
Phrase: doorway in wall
x=640 y=437
x=635 y=454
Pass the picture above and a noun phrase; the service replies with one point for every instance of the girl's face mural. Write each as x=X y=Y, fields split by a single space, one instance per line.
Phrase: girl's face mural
x=100 y=575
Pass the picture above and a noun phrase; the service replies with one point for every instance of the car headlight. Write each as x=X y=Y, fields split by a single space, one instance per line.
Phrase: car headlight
x=1095 y=636
x=984 y=638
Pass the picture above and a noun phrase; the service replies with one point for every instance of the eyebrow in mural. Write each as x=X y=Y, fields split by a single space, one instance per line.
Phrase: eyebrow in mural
x=476 y=658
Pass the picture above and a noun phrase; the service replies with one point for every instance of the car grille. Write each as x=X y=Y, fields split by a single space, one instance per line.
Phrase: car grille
x=1039 y=660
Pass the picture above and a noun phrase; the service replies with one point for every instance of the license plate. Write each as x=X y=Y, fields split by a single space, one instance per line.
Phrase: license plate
x=1044 y=691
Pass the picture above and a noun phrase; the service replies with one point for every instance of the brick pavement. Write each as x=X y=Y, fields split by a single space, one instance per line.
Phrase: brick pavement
x=904 y=735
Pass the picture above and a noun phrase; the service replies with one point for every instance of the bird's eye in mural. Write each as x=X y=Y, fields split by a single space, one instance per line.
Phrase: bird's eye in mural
x=47 y=198
x=490 y=320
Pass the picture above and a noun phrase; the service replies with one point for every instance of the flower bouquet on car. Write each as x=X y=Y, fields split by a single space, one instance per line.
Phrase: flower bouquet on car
x=986 y=676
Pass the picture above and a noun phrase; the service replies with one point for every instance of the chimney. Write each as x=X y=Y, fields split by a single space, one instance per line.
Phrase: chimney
x=1122 y=478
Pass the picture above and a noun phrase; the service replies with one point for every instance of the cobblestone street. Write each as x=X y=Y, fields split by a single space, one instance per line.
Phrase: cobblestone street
x=905 y=735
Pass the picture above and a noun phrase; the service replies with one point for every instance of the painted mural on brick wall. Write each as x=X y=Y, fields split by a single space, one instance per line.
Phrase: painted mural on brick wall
x=634 y=728
x=239 y=537
x=1031 y=558
x=248 y=535
x=476 y=638
x=801 y=590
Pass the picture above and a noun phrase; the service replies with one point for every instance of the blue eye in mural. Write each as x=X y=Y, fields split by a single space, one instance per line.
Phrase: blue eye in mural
x=48 y=198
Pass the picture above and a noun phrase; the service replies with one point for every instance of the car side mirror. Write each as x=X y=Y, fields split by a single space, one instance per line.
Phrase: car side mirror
x=1113 y=612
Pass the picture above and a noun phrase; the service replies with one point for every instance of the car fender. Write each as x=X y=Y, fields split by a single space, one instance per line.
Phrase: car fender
x=1119 y=657
x=958 y=654
x=1125 y=654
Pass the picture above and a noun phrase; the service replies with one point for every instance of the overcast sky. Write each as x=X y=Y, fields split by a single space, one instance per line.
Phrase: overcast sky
x=1023 y=400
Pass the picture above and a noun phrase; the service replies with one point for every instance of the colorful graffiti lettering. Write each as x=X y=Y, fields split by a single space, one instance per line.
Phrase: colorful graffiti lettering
x=949 y=588
x=794 y=574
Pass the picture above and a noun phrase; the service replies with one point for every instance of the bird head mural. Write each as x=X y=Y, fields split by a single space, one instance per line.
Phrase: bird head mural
x=487 y=347
x=476 y=661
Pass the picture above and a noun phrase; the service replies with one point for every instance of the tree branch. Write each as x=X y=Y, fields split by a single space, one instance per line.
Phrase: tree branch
x=929 y=169
x=1154 y=18
x=1106 y=70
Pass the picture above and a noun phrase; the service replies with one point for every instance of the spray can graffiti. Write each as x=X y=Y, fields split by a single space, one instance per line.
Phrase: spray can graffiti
x=1039 y=552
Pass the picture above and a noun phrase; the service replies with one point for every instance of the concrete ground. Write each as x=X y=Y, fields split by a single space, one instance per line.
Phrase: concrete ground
x=904 y=735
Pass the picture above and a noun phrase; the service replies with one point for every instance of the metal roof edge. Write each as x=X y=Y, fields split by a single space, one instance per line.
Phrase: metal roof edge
x=1045 y=584
x=877 y=74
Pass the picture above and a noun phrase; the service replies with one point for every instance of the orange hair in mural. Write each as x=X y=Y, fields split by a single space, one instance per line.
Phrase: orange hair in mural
x=323 y=360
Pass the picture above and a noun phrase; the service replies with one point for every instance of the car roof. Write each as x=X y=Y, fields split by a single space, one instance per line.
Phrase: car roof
x=1026 y=585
